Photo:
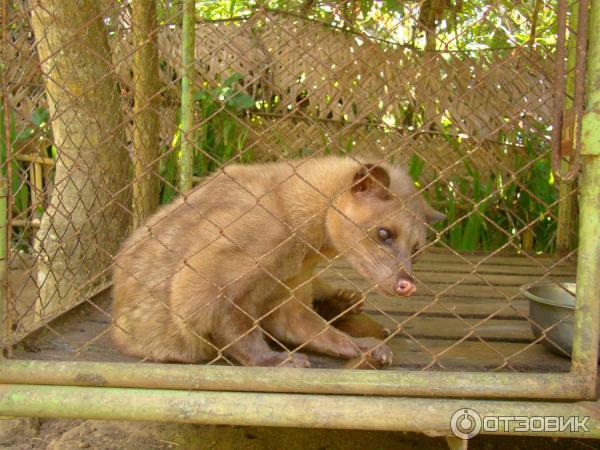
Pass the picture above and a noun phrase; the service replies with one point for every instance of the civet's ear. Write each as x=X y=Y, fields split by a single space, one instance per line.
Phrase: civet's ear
x=371 y=179
x=432 y=216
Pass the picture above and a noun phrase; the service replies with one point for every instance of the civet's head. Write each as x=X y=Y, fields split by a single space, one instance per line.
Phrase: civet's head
x=379 y=223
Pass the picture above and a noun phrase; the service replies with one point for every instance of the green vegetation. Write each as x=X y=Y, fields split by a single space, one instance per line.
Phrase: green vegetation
x=459 y=25
x=19 y=187
x=220 y=136
x=484 y=212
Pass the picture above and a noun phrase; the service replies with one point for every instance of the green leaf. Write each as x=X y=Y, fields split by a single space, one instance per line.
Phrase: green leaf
x=240 y=101
x=472 y=232
x=415 y=167
x=392 y=5
x=365 y=7
x=40 y=116
x=232 y=79
x=202 y=95
x=499 y=39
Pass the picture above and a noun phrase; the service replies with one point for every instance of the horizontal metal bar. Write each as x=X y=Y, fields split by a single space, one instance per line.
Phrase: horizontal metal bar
x=430 y=416
x=320 y=381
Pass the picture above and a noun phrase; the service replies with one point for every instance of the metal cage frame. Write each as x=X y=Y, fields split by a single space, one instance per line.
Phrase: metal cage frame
x=381 y=400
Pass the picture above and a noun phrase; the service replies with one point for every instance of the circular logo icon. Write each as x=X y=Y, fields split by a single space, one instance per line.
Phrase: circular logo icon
x=465 y=423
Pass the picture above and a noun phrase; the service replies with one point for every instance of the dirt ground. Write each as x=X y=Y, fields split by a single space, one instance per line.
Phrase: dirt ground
x=54 y=434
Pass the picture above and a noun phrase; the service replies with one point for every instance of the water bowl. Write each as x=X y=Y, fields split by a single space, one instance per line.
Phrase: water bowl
x=552 y=303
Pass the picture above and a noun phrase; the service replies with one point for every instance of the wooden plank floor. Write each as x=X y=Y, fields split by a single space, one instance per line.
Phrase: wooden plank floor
x=467 y=314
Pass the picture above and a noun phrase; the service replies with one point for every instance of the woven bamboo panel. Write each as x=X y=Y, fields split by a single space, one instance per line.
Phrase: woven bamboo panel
x=335 y=75
x=272 y=138
x=323 y=75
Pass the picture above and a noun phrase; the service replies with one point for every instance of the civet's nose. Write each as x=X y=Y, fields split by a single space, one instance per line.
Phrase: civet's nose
x=405 y=288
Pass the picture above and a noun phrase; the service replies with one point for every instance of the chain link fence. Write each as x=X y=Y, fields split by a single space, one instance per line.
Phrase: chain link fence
x=320 y=148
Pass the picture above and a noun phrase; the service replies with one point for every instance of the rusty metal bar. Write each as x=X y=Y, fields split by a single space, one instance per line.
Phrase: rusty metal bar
x=322 y=381
x=587 y=313
x=430 y=416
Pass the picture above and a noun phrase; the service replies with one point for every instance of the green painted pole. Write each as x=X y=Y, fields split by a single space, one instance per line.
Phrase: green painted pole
x=571 y=53
x=188 y=47
x=291 y=380
x=4 y=239
x=430 y=416
x=587 y=313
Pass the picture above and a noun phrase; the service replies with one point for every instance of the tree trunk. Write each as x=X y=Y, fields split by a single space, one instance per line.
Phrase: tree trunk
x=89 y=208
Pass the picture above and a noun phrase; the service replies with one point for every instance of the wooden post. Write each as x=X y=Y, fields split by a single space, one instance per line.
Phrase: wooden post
x=566 y=206
x=146 y=127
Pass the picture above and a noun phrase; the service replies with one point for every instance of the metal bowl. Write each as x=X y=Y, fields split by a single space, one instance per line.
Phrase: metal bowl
x=552 y=303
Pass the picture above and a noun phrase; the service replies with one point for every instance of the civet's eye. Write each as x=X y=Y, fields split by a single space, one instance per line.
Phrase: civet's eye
x=385 y=235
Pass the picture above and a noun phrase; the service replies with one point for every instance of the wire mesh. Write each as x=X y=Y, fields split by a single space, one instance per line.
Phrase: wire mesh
x=319 y=142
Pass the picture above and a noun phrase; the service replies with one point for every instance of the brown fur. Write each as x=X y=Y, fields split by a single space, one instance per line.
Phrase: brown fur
x=238 y=252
